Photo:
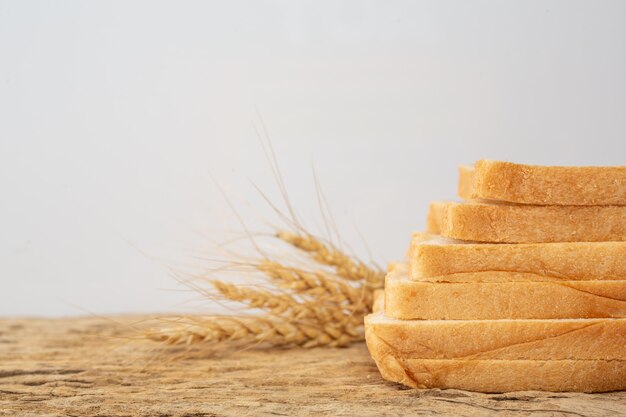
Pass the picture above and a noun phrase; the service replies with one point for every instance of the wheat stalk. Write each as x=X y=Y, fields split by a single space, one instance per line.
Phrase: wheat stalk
x=307 y=307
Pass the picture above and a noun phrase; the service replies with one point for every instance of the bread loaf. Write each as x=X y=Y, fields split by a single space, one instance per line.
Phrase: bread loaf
x=520 y=287
x=531 y=184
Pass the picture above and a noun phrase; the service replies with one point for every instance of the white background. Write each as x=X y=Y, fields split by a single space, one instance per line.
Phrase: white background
x=114 y=117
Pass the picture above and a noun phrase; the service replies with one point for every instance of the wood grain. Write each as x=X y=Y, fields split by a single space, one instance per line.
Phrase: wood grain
x=95 y=367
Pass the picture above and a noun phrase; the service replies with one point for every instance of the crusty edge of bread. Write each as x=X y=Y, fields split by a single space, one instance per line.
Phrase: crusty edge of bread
x=379 y=301
x=466 y=182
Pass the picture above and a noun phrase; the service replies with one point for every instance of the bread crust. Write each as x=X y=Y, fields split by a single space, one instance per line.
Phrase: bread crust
x=497 y=375
x=379 y=300
x=407 y=299
x=511 y=223
x=434 y=258
x=533 y=184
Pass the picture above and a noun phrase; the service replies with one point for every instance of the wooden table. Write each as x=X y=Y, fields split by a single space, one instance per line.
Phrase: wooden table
x=101 y=367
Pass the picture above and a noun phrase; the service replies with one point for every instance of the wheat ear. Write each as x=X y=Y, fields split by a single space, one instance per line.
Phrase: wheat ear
x=308 y=308
x=326 y=254
x=284 y=305
x=318 y=285
x=252 y=330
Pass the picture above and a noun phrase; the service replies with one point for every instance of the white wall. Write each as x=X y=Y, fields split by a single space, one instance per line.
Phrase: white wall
x=115 y=115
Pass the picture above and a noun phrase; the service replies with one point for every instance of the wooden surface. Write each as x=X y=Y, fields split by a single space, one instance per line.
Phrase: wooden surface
x=94 y=367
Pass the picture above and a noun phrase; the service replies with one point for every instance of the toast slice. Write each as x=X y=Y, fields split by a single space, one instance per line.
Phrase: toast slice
x=512 y=223
x=557 y=339
x=406 y=299
x=379 y=301
x=497 y=375
x=532 y=184
x=436 y=258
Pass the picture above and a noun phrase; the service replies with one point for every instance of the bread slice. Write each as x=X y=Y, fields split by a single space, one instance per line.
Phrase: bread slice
x=379 y=301
x=532 y=184
x=497 y=375
x=436 y=258
x=407 y=299
x=510 y=223
x=556 y=339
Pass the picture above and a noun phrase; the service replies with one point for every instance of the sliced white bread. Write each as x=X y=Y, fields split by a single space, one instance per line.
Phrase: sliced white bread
x=527 y=339
x=408 y=299
x=513 y=223
x=533 y=184
x=437 y=258
x=496 y=375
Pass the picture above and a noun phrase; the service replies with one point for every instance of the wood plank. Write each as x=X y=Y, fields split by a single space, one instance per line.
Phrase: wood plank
x=95 y=367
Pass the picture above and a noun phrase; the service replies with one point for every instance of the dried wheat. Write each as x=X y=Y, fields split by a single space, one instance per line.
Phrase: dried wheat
x=318 y=285
x=252 y=330
x=284 y=305
x=307 y=308
x=328 y=255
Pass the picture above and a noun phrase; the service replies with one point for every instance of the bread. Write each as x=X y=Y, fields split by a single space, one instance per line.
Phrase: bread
x=521 y=287
x=436 y=258
x=484 y=222
x=499 y=355
x=408 y=299
x=531 y=184
x=555 y=339
x=465 y=188
x=497 y=375
x=379 y=300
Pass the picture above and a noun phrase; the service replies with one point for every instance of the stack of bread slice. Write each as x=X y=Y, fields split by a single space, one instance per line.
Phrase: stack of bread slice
x=520 y=287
